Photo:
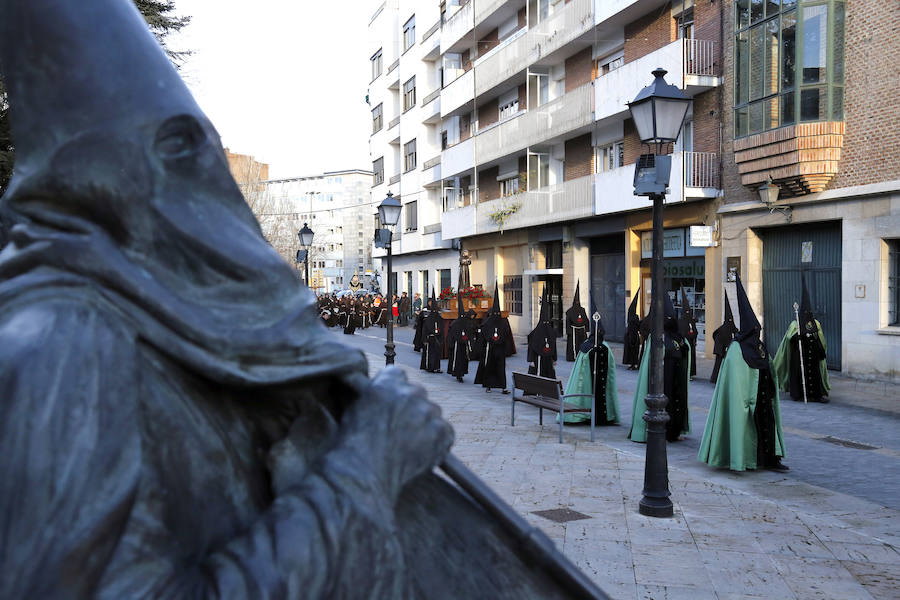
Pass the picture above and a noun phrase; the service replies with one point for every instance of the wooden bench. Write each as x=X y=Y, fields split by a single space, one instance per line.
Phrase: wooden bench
x=544 y=392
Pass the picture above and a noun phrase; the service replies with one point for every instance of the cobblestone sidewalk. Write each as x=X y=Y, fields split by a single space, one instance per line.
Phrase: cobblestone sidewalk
x=734 y=536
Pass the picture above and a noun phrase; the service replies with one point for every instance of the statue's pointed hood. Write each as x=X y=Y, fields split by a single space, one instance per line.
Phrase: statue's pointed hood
x=121 y=186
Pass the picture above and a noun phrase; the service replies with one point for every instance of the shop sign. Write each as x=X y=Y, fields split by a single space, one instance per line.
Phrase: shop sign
x=686 y=268
x=702 y=236
x=673 y=243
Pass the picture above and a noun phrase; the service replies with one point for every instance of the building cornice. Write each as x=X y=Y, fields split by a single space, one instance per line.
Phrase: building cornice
x=845 y=193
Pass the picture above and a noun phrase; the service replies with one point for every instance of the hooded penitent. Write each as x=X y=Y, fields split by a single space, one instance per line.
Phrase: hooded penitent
x=461 y=342
x=157 y=221
x=594 y=373
x=631 y=350
x=743 y=426
x=687 y=326
x=722 y=338
x=542 y=343
x=432 y=337
x=496 y=343
x=577 y=325
x=803 y=348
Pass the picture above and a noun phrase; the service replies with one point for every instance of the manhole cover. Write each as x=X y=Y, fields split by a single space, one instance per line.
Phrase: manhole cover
x=561 y=515
x=847 y=443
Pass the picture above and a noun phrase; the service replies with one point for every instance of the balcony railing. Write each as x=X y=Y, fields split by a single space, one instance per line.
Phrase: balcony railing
x=701 y=170
x=700 y=58
x=432 y=162
x=394 y=122
x=564 y=201
x=395 y=179
x=431 y=31
x=435 y=94
x=394 y=65
x=566 y=113
x=457 y=26
x=455 y=197
x=486 y=8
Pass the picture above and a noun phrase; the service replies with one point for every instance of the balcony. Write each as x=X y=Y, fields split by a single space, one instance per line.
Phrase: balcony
x=458 y=158
x=456 y=27
x=431 y=107
x=457 y=93
x=485 y=9
x=691 y=66
x=394 y=179
x=431 y=172
x=564 y=114
x=552 y=204
x=563 y=26
x=431 y=43
x=393 y=76
x=695 y=175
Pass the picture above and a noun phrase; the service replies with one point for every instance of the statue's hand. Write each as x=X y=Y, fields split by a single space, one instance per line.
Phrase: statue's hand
x=394 y=431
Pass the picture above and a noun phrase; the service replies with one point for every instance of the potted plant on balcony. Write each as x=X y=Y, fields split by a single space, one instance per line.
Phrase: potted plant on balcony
x=500 y=216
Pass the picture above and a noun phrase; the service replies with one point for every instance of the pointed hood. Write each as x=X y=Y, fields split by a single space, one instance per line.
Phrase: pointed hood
x=575 y=315
x=543 y=333
x=632 y=308
x=495 y=305
x=807 y=318
x=576 y=301
x=754 y=351
x=459 y=305
x=545 y=307
x=686 y=310
x=729 y=316
x=121 y=186
x=668 y=307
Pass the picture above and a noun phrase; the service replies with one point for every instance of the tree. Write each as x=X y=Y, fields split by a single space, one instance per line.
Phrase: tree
x=162 y=22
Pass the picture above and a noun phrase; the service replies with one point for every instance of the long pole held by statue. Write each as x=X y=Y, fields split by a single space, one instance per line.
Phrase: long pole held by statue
x=800 y=350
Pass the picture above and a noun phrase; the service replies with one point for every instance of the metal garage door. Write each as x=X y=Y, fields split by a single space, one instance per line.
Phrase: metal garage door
x=814 y=250
x=608 y=284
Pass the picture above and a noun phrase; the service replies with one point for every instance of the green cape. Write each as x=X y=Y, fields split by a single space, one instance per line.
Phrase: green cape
x=580 y=382
x=729 y=439
x=782 y=362
x=638 y=431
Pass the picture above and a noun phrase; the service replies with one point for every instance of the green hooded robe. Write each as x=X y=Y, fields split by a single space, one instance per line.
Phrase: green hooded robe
x=782 y=362
x=638 y=431
x=581 y=382
x=729 y=439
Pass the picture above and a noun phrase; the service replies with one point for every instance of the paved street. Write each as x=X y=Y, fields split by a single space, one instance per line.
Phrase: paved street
x=827 y=529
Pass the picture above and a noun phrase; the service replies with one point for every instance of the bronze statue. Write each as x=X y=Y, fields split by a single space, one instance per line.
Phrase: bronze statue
x=465 y=260
x=177 y=424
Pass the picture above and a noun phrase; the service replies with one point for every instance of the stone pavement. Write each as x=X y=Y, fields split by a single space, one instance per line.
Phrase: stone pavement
x=734 y=535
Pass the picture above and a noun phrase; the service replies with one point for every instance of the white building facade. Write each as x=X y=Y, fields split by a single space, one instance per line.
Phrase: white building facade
x=336 y=205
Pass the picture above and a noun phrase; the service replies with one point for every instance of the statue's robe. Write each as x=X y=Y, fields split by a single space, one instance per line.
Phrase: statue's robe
x=787 y=364
x=744 y=421
x=676 y=370
x=594 y=373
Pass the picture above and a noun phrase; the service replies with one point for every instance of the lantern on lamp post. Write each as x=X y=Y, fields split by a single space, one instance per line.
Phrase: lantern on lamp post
x=389 y=215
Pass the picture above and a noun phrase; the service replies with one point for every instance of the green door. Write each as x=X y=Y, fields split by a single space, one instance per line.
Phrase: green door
x=815 y=251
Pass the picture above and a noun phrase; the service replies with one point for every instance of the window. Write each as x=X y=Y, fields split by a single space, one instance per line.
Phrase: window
x=553 y=255
x=378 y=171
x=509 y=109
x=376 y=64
x=893 y=282
x=444 y=143
x=512 y=294
x=686 y=24
x=409 y=94
x=604 y=65
x=538 y=90
x=445 y=278
x=409 y=33
x=412 y=216
x=377 y=122
x=409 y=155
x=424 y=285
x=509 y=186
x=538 y=171
x=788 y=63
x=609 y=156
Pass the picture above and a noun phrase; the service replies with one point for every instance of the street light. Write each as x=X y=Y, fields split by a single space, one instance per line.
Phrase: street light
x=658 y=112
x=389 y=214
x=306 y=239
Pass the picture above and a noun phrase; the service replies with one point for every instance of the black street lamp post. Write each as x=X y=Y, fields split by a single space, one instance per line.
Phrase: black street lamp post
x=389 y=215
x=658 y=112
x=306 y=239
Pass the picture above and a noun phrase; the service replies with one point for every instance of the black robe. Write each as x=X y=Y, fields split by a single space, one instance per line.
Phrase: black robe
x=432 y=342
x=496 y=344
x=349 y=321
x=631 y=349
x=687 y=327
x=598 y=355
x=722 y=338
x=461 y=338
x=813 y=354
x=577 y=328
x=417 y=337
x=542 y=351
x=675 y=379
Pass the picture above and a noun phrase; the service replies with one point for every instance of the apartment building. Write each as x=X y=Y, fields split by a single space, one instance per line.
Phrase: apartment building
x=336 y=205
x=812 y=119
x=534 y=154
x=404 y=97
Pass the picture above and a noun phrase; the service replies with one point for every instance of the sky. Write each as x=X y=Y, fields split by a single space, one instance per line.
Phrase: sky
x=282 y=80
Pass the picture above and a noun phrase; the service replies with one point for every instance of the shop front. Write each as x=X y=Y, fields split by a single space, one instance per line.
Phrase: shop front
x=684 y=269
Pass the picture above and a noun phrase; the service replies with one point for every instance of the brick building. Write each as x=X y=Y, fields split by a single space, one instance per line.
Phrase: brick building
x=811 y=117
